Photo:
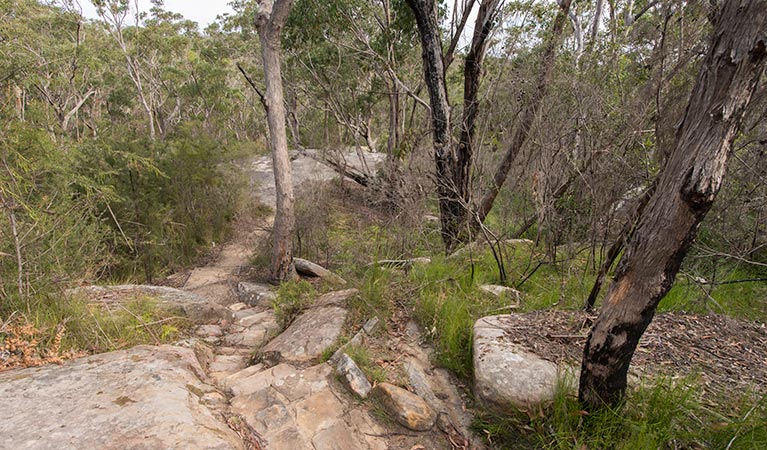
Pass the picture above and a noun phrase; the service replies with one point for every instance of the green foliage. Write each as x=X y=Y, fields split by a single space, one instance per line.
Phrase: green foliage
x=292 y=298
x=669 y=414
x=363 y=359
x=64 y=326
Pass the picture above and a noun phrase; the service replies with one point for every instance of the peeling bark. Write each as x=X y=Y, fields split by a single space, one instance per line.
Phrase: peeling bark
x=270 y=20
x=686 y=190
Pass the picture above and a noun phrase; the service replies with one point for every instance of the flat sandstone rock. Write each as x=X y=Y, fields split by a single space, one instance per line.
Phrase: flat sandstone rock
x=146 y=397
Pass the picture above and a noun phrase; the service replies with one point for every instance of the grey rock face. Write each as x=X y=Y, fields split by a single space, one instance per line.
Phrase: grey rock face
x=505 y=374
x=255 y=294
x=314 y=331
x=353 y=376
x=146 y=397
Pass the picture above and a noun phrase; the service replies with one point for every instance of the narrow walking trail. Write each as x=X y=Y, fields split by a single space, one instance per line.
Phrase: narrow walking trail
x=240 y=382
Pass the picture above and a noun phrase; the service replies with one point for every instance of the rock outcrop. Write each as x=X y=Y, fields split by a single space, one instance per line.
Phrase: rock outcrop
x=145 y=397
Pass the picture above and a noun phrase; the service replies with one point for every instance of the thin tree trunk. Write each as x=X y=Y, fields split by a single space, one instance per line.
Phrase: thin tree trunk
x=269 y=21
x=597 y=19
x=472 y=75
x=426 y=16
x=522 y=130
x=686 y=190
x=612 y=253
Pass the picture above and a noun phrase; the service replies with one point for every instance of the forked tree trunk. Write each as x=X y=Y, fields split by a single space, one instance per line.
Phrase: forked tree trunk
x=453 y=163
x=270 y=19
x=426 y=16
x=685 y=193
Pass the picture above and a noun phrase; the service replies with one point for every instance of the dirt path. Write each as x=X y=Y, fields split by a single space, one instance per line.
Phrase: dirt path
x=296 y=403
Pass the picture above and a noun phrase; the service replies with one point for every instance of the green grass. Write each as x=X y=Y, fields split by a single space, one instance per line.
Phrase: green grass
x=735 y=298
x=363 y=359
x=670 y=414
x=443 y=297
x=292 y=298
x=58 y=325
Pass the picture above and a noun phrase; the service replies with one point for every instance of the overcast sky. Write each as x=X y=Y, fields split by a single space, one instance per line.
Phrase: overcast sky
x=201 y=11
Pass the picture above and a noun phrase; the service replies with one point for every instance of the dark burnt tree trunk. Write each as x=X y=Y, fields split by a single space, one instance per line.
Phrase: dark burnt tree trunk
x=453 y=162
x=685 y=193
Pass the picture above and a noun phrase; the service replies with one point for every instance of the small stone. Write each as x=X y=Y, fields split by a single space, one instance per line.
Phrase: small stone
x=353 y=376
x=265 y=318
x=503 y=292
x=255 y=294
x=209 y=331
x=371 y=326
x=237 y=307
x=212 y=340
x=419 y=382
x=410 y=410
x=228 y=363
x=251 y=338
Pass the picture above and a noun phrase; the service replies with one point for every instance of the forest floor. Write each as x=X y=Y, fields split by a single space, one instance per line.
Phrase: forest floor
x=726 y=353
x=305 y=405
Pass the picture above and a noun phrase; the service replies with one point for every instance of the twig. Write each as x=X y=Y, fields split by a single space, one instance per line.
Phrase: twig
x=253 y=85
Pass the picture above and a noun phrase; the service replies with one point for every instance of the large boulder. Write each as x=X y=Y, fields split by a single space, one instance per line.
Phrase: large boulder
x=507 y=375
x=146 y=397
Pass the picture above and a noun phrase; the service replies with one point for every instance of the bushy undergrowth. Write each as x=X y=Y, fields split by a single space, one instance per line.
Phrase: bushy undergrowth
x=292 y=298
x=57 y=328
x=111 y=209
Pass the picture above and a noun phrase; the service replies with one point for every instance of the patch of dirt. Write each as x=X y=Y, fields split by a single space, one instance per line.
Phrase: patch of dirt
x=728 y=354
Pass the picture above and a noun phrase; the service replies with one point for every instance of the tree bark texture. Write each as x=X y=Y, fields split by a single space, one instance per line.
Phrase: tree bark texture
x=453 y=163
x=270 y=20
x=427 y=19
x=686 y=190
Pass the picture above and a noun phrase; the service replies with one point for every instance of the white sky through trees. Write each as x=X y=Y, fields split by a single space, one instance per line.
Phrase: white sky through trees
x=203 y=12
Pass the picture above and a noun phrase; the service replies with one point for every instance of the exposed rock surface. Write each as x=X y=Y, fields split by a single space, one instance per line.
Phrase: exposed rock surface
x=505 y=374
x=193 y=306
x=314 y=331
x=408 y=409
x=353 y=376
x=145 y=397
x=292 y=409
x=255 y=294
